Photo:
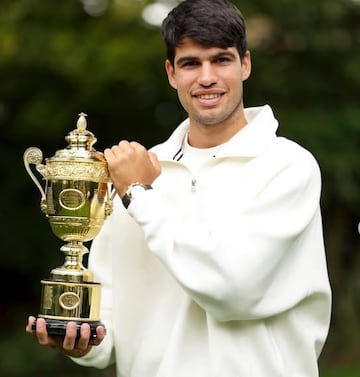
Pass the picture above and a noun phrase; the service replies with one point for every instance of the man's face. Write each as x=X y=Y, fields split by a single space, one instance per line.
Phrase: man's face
x=209 y=81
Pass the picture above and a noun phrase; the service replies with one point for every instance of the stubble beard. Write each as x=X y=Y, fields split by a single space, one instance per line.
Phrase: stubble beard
x=217 y=118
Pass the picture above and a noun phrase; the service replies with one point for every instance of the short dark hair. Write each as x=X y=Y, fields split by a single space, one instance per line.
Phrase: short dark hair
x=209 y=22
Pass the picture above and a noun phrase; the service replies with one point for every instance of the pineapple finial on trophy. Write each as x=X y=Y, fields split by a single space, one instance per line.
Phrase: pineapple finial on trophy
x=81 y=123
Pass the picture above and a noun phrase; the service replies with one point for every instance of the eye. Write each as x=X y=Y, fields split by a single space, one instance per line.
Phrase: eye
x=222 y=60
x=190 y=63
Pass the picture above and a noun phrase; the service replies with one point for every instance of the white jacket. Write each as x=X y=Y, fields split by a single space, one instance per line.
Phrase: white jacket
x=222 y=274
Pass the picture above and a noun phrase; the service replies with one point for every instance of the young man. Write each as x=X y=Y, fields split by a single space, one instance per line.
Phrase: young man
x=213 y=261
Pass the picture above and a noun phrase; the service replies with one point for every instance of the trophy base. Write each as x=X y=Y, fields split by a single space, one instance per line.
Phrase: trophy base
x=56 y=327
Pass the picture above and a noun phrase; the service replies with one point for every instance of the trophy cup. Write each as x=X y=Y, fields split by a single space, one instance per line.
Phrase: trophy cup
x=76 y=200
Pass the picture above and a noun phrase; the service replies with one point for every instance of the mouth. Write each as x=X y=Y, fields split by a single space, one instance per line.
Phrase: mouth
x=209 y=96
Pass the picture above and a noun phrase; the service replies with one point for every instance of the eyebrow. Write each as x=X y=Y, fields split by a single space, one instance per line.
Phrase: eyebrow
x=220 y=54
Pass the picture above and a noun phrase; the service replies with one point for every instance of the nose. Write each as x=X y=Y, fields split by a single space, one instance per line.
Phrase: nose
x=207 y=75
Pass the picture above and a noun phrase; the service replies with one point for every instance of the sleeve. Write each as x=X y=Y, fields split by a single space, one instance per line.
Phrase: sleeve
x=250 y=261
x=100 y=263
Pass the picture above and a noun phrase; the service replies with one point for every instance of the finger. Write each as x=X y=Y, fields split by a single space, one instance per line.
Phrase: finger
x=124 y=144
x=70 y=337
x=111 y=153
x=121 y=149
x=100 y=335
x=41 y=331
x=29 y=324
x=83 y=341
x=108 y=154
x=137 y=146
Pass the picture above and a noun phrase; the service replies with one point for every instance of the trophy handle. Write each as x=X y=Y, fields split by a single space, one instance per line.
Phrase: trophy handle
x=112 y=194
x=34 y=156
x=109 y=203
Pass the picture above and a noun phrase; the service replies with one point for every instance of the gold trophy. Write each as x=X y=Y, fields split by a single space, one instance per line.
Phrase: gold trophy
x=76 y=200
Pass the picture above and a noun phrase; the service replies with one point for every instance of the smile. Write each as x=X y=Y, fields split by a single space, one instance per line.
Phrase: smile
x=209 y=96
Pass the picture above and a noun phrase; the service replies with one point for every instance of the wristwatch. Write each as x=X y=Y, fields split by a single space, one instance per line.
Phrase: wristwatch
x=133 y=190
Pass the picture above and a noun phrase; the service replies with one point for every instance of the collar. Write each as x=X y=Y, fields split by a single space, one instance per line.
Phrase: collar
x=250 y=141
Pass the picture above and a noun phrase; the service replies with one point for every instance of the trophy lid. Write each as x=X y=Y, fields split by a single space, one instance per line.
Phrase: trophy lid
x=80 y=143
x=79 y=160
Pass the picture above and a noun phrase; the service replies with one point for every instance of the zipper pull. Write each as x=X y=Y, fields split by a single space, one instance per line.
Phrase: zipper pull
x=193 y=185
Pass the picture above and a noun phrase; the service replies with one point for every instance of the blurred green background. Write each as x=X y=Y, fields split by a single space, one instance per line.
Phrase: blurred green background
x=106 y=58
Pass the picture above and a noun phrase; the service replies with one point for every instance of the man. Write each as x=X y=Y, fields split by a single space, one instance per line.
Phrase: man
x=213 y=262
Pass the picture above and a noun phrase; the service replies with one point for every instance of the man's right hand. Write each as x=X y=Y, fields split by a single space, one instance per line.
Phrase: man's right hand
x=70 y=344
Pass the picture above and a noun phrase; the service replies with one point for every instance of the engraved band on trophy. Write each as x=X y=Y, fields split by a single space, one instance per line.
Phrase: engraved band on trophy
x=76 y=200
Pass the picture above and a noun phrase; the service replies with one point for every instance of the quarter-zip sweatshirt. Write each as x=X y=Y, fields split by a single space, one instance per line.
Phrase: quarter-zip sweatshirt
x=221 y=272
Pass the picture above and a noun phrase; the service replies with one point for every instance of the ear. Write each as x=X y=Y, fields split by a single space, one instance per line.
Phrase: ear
x=246 y=65
x=170 y=73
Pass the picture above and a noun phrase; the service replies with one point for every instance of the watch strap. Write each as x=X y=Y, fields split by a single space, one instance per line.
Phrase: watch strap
x=127 y=198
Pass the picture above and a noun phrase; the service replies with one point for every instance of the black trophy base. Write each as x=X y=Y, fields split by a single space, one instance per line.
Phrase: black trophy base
x=56 y=327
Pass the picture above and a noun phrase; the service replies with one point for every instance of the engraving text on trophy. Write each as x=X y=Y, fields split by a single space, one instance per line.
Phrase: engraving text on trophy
x=69 y=300
x=71 y=199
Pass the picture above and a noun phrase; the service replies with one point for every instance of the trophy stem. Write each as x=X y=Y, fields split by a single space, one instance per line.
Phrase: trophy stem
x=74 y=252
x=73 y=269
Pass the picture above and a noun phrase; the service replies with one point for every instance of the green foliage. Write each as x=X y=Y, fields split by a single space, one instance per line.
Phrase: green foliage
x=56 y=61
x=342 y=373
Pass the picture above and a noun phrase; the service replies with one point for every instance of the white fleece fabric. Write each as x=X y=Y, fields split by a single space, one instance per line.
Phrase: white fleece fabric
x=218 y=273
